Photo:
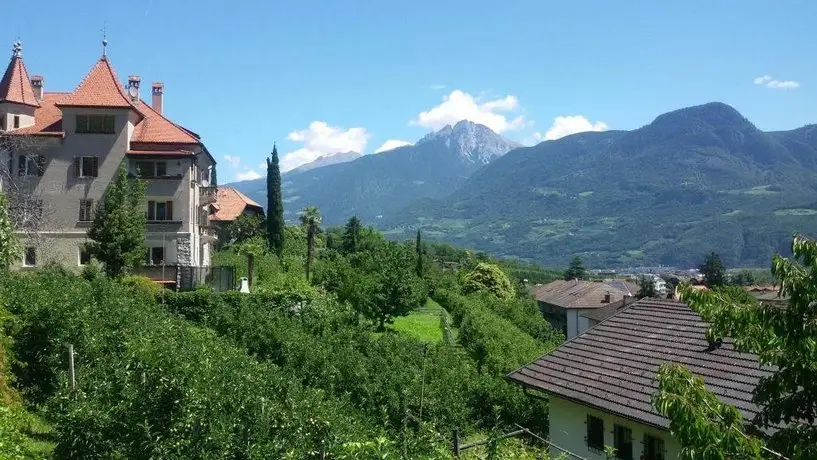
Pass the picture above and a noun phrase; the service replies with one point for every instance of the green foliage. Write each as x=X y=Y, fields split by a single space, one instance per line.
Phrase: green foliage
x=351 y=235
x=576 y=270
x=418 y=247
x=713 y=270
x=646 y=287
x=118 y=229
x=275 y=206
x=244 y=228
x=706 y=428
x=310 y=218
x=488 y=278
x=9 y=246
x=143 y=284
x=784 y=338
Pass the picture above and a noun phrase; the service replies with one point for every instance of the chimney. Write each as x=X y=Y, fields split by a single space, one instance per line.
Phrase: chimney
x=133 y=87
x=607 y=297
x=37 y=85
x=158 y=96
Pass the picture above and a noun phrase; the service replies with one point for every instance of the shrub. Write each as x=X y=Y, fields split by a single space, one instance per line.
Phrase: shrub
x=488 y=278
x=141 y=283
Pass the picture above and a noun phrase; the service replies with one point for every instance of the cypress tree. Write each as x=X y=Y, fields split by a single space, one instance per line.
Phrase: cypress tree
x=275 y=206
x=419 y=249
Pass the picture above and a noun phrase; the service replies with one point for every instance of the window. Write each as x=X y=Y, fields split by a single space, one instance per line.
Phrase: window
x=623 y=442
x=653 y=448
x=84 y=255
x=3 y=121
x=95 y=124
x=86 y=167
x=86 y=210
x=31 y=165
x=595 y=433
x=160 y=210
x=30 y=257
x=155 y=256
x=151 y=168
x=16 y=121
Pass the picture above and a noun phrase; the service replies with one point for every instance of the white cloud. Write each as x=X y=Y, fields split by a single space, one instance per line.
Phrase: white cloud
x=234 y=161
x=247 y=175
x=769 y=82
x=459 y=105
x=320 y=139
x=391 y=144
x=565 y=125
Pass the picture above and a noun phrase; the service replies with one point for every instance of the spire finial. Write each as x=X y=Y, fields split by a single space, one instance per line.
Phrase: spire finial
x=17 y=48
x=104 y=40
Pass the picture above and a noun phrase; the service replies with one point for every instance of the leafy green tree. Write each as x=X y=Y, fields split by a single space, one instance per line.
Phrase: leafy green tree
x=713 y=270
x=251 y=249
x=646 y=287
x=783 y=338
x=419 y=249
x=351 y=235
x=488 y=278
x=744 y=278
x=275 y=205
x=118 y=229
x=9 y=246
x=311 y=221
x=244 y=228
x=576 y=270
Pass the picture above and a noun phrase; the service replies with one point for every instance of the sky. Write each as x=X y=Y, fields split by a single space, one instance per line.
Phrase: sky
x=320 y=77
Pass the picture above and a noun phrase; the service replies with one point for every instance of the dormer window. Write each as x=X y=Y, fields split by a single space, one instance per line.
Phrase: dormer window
x=95 y=124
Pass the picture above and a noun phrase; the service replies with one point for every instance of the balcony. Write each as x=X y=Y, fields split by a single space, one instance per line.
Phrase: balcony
x=208 y=195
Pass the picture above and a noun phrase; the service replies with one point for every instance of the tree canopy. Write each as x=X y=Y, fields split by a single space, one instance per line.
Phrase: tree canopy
x=9 y=246
x=488 y=278
x=713 y=270
x=576 y=269
x=275 y=205
x=118 y=229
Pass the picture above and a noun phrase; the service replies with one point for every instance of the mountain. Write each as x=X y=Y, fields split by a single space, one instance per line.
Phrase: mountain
x=696 y=179
x=375 y=186
x=327 y=160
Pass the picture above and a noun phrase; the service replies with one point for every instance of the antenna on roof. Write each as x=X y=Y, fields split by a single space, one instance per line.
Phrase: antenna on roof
x=105 y=40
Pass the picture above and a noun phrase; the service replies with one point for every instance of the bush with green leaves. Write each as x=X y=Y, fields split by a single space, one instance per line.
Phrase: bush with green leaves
x=490 y=279
x=150 y=385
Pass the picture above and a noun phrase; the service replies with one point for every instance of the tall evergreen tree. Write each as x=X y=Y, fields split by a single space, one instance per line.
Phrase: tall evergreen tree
x=576 y=269
x=713 y=270
x=351 y=235
x=118 y=230
x=9 y=246
x=275 y=205
x=311 y=221
x=419 y=249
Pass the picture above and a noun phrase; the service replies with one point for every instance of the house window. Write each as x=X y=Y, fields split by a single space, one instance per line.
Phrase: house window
x=84 y=255
x=155 y=256
x=30 y=257
x=31 y=165
x=16 y=121
x=86 y=167
x=623 y=442
x=653 y=448
x=95 y=124
x=151 y=168
x=86 y=210
x=595 y=433
x=160 y=210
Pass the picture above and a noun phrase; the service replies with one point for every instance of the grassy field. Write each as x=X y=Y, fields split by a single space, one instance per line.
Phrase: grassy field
x=422 y=324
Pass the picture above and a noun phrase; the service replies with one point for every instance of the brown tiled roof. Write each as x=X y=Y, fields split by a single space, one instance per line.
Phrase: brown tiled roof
x=155 y=128
x=230 y=203
x=612 y=367
x=582 y=294
x=47 y=118
x=16 y=86
x=100 y=88
x=602 y=313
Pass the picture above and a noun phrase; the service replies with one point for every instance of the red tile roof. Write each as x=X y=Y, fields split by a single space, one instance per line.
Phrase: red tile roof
x=16 y=86
x=100 y=88
x=231 y=203
x=582 y=294
x=155 y=128
x=47 y=118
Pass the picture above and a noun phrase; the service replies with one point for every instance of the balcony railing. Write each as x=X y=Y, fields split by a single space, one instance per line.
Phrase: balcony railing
x=208 y=195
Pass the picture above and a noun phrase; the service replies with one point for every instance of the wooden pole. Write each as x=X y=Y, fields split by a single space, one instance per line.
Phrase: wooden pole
x=71 y=367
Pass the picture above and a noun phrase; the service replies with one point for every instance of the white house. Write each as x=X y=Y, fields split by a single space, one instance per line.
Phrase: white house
x=601 y=382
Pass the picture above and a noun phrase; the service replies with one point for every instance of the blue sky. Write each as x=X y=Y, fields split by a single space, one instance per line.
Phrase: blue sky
x=327 y=76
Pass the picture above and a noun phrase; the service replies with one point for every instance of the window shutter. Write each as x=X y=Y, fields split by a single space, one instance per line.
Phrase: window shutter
x=77 y=166
x=151 y=210
x=169 y=210
x=95 y=167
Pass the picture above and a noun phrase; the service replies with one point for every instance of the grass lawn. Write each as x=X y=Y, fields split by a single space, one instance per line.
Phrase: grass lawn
x=422 y=324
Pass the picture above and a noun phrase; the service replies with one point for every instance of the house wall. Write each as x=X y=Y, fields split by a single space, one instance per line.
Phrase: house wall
x=7 y=112
x=568 y=430
x=555 y=315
